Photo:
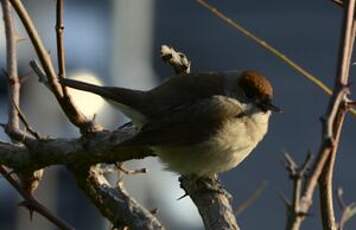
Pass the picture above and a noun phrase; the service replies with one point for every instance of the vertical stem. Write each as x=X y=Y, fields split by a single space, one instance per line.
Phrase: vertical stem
x=336 y=122
x=11 y=68
x=60 y=42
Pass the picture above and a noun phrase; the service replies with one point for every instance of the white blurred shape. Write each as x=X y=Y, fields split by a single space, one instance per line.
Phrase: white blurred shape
x=88 y=103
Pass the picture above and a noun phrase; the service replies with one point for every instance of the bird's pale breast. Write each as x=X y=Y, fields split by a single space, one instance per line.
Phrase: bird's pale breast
x=223 y=151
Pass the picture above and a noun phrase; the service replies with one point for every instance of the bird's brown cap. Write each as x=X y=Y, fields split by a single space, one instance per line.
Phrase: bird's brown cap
x=256 y=83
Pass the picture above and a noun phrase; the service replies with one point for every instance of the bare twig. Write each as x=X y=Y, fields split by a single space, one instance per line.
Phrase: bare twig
x=338 y=110
x=32 y=204
x=338 y=2
x=252 y=199
x=60 y=43
x=26 y=123
x=40 y=73
x=322 y=169
x=340 y=198
x=347 y=211
x=85 y=125
x=31 y=179
x=236 y=25
x=13 y=127
x=297 y=175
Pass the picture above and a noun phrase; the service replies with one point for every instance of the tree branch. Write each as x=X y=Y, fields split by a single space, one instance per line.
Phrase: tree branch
x=114 y=203
x=32 y=204
x=339 y=109
x=212 y=202
x=60 y=43
x=30 y=180
x=13 y=125
x=104 y=147
x=264 y=44
x=85 y=125
x=322 y=169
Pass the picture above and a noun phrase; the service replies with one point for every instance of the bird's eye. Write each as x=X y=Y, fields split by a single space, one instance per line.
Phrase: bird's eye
x=249 y=94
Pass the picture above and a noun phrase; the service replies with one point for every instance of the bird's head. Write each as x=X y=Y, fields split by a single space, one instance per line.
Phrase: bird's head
x=255 y=89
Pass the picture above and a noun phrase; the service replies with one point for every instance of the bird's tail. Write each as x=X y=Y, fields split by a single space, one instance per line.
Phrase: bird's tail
x=129 y=97
x=85 y=86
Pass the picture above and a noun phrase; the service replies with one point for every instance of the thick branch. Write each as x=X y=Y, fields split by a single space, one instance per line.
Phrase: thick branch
x=114 y=203
x=212 y=201
x=101 y=148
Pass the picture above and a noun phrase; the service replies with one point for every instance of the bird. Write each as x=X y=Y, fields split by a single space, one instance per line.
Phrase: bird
x=200 y=124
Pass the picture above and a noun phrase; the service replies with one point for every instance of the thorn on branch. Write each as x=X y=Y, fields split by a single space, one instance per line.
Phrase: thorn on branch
x=31 y=203
x=154 y=211
x=183 y=196
x=284 y=199
x=30 y=206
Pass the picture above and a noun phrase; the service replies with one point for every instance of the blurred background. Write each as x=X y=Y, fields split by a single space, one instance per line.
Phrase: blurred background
x=116 y=42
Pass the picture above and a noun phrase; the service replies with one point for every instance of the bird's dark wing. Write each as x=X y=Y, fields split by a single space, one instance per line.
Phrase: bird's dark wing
x=172 y=93
x=178 y=90
x=187 y=124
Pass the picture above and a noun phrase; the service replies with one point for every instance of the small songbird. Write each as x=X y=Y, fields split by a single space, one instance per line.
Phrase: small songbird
x=199 y=124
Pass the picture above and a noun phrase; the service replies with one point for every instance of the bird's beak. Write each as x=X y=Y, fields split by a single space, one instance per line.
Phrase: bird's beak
x=267 y=105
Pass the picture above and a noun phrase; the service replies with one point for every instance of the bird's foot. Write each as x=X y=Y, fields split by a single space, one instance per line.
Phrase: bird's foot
x=206 y=185
x=214 y=185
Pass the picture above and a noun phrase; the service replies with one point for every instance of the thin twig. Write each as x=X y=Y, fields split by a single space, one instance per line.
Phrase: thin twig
x=29 y=180
x=347 y=211
x=340 y=199
x=32 y=204
x=13 y=85
x=60 y=43
x=39 y=72
x=297 y=175
x=338 y=2
x=322 y=169
x=252 y=199
x=236 y=25
x=26 y=123
x=339 y=111
x=85 y=125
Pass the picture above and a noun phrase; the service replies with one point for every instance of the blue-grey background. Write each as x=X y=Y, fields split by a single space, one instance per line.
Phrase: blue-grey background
x=119 y=40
